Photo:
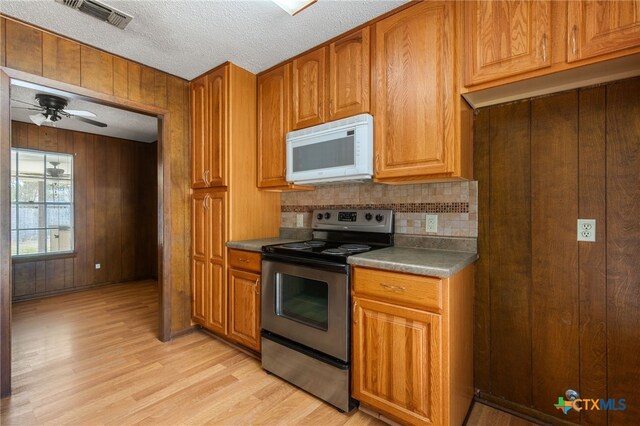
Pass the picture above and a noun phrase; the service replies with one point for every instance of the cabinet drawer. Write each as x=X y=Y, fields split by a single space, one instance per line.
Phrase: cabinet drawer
x=404 y=289
x=245 y=260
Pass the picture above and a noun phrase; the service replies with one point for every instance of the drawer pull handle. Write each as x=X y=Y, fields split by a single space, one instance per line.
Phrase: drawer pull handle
x=393 y=287
x=242 y=259
x=574 y=48
x=544 y=48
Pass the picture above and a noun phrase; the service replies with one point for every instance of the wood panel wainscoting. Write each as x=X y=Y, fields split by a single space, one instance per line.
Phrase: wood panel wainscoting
x=92 y=358
x=552 y=313
x=115 y=220
x=36 y=56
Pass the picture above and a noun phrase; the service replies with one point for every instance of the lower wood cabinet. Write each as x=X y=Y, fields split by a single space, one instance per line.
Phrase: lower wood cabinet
x=244 y=301
x=207 y=262
x=412 y=361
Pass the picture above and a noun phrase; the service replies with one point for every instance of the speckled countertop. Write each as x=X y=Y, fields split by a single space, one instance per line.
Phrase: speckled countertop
x=256 y=245
x=432 y=262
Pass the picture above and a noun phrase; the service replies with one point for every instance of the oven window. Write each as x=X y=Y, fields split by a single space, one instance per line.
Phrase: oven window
x=303 y=300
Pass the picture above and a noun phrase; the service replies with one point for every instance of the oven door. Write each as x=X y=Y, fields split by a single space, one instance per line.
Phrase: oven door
x=307 y=305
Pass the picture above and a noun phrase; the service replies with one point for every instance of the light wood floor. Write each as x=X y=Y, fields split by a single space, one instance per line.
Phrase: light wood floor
x=93 y=358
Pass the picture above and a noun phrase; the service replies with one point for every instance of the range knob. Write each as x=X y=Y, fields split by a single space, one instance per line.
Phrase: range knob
x=319 y=216
x=379 y=217
x=368 y=216
x=327 y=215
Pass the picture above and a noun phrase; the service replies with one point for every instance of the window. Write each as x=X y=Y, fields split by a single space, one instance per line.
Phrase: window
x=41 y=202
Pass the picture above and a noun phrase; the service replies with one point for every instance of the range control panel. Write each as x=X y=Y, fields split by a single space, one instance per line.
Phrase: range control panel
x=354 y=220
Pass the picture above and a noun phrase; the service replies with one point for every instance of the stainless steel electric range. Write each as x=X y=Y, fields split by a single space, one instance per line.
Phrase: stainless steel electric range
x=306 y=321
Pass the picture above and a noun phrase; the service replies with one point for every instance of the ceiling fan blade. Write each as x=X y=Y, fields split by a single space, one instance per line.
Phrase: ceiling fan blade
x=79 y=113
x=89 y=121
x=28 y=103
x=28 y=109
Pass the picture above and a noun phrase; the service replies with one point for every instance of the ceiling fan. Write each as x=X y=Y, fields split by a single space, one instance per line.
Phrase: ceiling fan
x=52 y=109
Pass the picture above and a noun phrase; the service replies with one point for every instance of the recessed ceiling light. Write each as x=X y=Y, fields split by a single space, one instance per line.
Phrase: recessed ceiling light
x=294 y=6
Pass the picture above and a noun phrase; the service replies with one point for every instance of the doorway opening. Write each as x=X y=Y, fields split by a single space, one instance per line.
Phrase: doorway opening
x=112 y=226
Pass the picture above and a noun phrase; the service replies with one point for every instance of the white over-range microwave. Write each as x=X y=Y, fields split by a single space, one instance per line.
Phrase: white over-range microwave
x=341 y=150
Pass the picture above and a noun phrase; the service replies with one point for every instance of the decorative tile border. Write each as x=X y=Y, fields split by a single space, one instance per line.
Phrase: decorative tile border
x=396 y=207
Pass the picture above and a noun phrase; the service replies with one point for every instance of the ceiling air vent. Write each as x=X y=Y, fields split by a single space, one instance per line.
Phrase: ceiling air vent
x=100 y=11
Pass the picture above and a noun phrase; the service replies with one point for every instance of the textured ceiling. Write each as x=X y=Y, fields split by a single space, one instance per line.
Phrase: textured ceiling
x=189 y=37
x=120 y=123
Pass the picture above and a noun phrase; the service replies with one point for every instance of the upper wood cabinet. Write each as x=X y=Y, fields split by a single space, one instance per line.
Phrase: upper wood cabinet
x=308 y=89
x=217 y=99
x=199 y=133
x=274 y=105
x=208 y=129
x=331 y=82
x=418 y=124
x=506 y=38
x=273 y=125
x=349 y=70
x=597 y=28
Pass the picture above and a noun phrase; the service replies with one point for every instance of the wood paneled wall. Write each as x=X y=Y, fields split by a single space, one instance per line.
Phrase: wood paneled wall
x=553 y=313
x=115 y=194
x=29 y=49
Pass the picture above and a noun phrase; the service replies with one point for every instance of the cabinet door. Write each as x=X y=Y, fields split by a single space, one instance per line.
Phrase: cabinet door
x=600 y=27
x=217 y=114
x=396 y=361
x=414 y=92
x=199 y=250
x=505 y=38
x=244 y=308
x=199 y=133
x=349 y=70
x=273 y=125
x=308 y=89
x=216 y=291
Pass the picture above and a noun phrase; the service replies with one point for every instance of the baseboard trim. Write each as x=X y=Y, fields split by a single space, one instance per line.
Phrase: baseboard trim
x=526 y=413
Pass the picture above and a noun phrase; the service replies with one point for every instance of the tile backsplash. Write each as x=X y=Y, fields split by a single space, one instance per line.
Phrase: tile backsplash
x=455 y=203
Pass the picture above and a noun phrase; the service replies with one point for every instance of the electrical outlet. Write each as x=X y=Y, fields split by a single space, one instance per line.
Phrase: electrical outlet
x=587 y=230
x=97 y=266
x=299 y=220
x=431 y=223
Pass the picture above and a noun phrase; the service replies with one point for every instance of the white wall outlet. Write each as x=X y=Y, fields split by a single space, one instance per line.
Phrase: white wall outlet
x=587 y=230
x=431 y=223
x=97 y=266
x=299 y=220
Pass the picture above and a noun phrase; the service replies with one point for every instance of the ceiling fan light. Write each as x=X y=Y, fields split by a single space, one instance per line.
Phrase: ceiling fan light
x=38 y=119
x=293 y=6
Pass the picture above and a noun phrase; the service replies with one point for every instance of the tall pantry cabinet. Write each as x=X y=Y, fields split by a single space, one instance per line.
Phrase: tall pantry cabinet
x=226 y=204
